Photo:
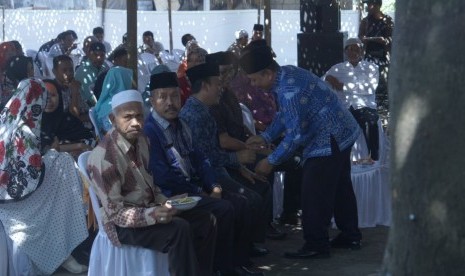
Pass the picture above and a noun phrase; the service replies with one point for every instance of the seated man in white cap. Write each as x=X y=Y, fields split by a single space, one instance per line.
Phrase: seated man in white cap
x=355 y=82
x=242 y=38
x=135 y=212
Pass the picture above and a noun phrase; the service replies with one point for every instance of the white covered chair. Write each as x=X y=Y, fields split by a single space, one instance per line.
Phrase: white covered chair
x=107 y=259
x=371 y=183
x=94 y=123
x=247 y=118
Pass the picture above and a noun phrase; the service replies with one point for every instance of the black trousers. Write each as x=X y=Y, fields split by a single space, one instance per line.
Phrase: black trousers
x=327 y=190
x=258 y=210
x=292 y=185
x=367 y=119
x=232 y=221
x=189 y=239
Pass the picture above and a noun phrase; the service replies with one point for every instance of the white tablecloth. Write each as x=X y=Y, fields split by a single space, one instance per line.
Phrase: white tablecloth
x=373 y=194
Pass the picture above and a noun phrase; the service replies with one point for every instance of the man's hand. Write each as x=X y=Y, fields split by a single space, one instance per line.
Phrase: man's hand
x=247 y=174
x=163 y=214
x=256 y=142
x=246 y=156
x=216 y=192
x=263 y=167
x=335 y=83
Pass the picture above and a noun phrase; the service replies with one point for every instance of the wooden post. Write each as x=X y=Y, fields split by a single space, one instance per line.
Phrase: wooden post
x=267 y=14
x=132 y=37
x=170 y=26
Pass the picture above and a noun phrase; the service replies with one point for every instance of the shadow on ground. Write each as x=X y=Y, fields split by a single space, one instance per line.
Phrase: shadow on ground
x=363 y=262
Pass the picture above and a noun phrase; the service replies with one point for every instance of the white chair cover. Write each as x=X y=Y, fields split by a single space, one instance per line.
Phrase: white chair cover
x=247 y=118
x=94 y=123
x=177 y=53
x=149 y=60
x=170 y=60
x=373 y=193
x=143 y=74
x=107 y=259
x=49 y=65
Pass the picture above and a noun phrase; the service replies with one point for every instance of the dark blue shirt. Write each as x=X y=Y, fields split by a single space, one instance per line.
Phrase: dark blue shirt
x=205 y=133
x=309 y=114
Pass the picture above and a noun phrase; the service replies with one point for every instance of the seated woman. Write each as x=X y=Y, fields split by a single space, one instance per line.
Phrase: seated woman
x=42 y=209
x=17 y=69
x=61 y=130
x=117 y=79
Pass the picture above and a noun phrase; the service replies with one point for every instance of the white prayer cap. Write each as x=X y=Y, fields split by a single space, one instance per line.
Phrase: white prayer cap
x=125 y=96
x=241 y=34
x=353 y=41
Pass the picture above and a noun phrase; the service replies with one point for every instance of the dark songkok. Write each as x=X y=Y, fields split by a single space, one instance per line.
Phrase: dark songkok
x=221 y=58
x=97 y=47
x=163 y=80
x=258 y=27
x=379 y=2
x=202 y=71
x=256 y=59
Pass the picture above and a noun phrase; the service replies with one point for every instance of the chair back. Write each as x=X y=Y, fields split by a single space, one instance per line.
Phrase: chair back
x=247 y=118
x=82 y=164
x=94 y=123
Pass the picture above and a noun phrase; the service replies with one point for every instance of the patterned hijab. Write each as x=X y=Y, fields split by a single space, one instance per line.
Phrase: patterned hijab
x=21 y=167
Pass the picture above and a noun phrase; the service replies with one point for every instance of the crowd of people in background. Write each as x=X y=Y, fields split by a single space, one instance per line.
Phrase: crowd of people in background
x=179 y=131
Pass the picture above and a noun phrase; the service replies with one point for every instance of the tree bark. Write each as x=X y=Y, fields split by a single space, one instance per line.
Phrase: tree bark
x=427 y=81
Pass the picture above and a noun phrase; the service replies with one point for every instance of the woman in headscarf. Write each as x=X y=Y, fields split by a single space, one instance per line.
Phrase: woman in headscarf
x=17 y=69
x=41 y=209
x=60 y=129
x=118 y=79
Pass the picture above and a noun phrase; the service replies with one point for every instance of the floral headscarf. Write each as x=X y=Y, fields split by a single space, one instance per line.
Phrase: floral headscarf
x=21 y=167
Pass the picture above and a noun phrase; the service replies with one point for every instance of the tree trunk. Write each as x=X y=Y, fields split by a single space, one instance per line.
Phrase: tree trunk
x=427 y=80
x=132 y=38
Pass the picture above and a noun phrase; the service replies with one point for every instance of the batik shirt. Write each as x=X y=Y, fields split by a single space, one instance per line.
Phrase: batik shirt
x=87 y=74
x=205 y=134
x=119 y=174
x=309 y=114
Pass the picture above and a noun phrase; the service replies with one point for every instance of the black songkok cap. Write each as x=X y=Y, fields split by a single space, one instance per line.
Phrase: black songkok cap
x=256 y=59
x=221 y=58
x=379 y=2
x=163 y=80
x=258 y=27
x=97 y=47
x=202 y=71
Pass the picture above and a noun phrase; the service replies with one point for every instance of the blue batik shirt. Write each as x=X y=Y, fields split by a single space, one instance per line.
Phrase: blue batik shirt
x=309 y=114
x=205 y=133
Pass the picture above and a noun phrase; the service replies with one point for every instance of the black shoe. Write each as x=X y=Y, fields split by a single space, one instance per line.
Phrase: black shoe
x=307 y=254
x=244 y=270
x=339 y=242
x=290 y=219
x=273 y=233
x=256 y=251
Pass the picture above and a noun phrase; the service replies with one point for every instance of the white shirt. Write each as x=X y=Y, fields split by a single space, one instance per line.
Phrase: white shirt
x=360 y=83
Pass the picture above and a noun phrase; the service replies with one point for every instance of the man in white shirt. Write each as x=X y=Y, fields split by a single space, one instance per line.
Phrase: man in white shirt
x=355 y=83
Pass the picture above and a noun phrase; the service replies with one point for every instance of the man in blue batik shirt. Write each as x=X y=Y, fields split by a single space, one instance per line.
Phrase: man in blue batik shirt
x=310 y=118
x=206 y=93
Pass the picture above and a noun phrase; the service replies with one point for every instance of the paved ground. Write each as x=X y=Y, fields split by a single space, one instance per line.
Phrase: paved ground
x=364 y=262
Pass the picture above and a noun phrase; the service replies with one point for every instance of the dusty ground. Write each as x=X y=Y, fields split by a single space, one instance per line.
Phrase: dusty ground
x=364 y=262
